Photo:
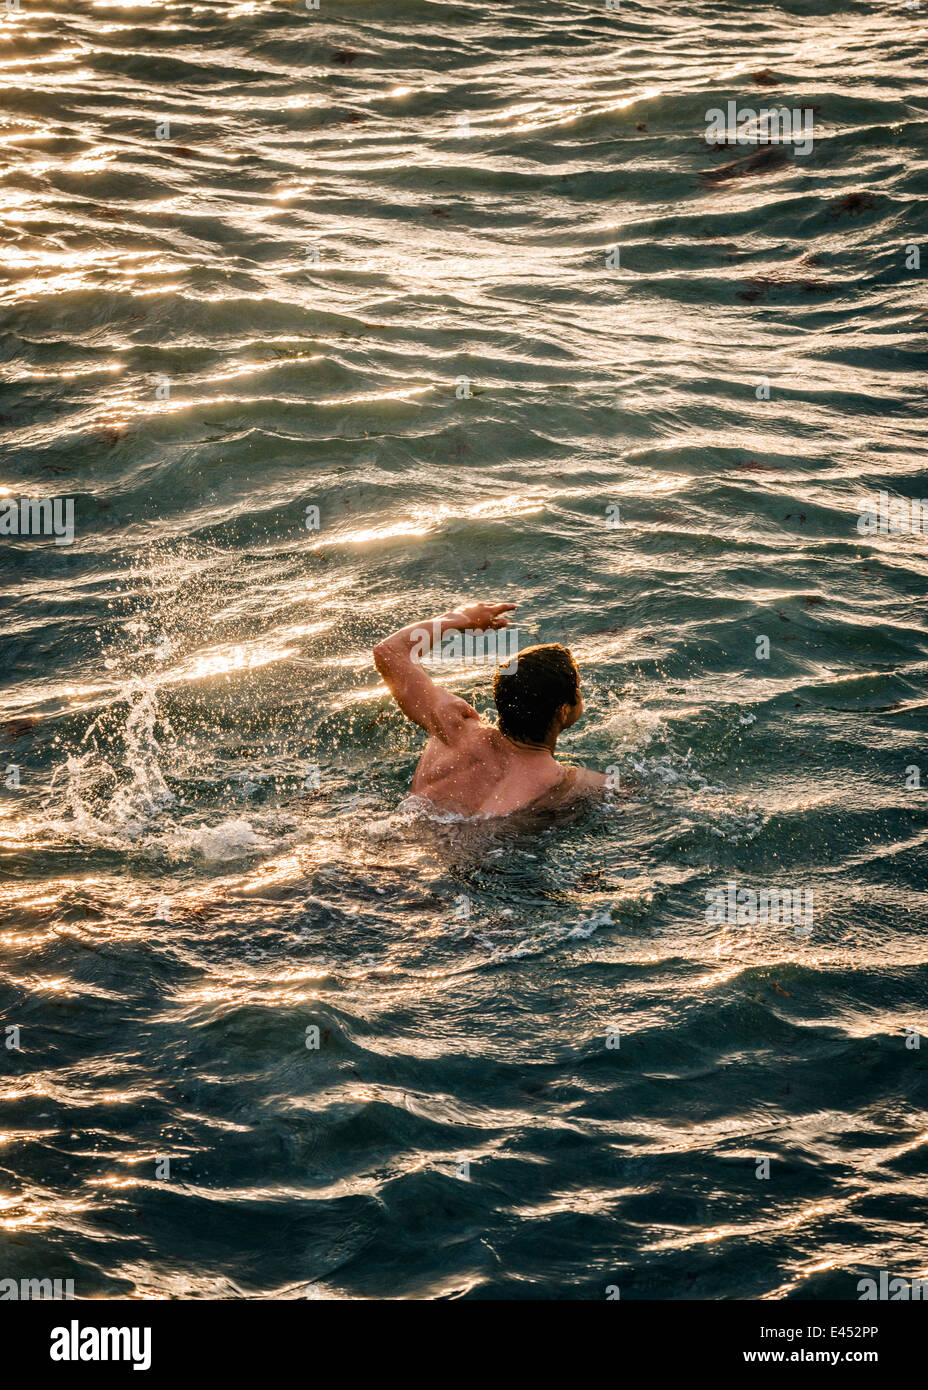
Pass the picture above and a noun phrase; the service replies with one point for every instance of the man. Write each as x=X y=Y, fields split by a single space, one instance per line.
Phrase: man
x=478 y=769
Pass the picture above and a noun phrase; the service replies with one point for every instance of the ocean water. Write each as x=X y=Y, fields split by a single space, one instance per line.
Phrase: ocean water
x=467 y=279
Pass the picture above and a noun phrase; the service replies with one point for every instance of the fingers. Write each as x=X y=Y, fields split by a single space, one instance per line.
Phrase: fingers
x=497 y=610
x=485 y=615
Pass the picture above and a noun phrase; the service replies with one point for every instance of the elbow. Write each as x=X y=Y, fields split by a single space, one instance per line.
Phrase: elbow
x=389 y=657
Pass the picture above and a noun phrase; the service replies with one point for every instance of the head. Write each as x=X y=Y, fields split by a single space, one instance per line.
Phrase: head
x=541 y=697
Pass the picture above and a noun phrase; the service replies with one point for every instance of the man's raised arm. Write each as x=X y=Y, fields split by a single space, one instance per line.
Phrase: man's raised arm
x=397 y=659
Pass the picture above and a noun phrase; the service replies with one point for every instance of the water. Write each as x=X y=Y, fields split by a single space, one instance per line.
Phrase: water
x=209 y=854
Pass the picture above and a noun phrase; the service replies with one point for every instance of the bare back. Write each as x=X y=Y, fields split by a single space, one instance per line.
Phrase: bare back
x=480 y=773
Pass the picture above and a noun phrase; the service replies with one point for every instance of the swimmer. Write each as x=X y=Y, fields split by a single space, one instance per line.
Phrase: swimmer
x=478 y=769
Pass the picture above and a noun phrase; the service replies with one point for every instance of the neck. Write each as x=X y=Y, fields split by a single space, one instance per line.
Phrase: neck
x=527 y=746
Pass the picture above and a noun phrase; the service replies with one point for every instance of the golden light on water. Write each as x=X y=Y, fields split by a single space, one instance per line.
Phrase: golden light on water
x=200 y=726
x=229 y=658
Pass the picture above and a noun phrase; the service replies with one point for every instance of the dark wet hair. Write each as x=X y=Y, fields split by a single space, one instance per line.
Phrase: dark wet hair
x=527 y=700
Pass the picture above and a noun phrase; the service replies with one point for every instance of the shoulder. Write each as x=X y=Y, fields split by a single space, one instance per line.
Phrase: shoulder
x=575 y=783
x=454 y=719
x=569 y=785
x=585 y=780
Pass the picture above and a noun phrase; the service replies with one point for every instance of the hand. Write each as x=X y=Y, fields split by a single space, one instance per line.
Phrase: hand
x=481 y=615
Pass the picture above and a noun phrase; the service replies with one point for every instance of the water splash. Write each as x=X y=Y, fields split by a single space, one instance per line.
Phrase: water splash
x=126 y=802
